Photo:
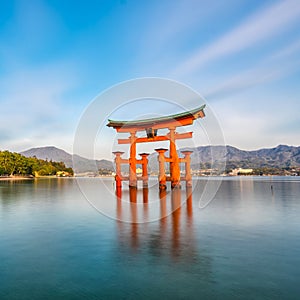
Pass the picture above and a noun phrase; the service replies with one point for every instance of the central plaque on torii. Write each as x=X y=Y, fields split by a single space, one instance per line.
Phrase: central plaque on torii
x=151 y=128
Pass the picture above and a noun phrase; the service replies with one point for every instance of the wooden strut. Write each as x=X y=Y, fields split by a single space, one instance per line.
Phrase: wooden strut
x=160 y=138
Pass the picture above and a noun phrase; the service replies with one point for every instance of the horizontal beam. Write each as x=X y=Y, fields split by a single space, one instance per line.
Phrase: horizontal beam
x=176 y=120
x=124 y=161
x=178 y=136
x=162 y=125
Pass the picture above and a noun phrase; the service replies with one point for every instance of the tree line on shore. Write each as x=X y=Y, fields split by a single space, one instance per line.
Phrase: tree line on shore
x=15 y=164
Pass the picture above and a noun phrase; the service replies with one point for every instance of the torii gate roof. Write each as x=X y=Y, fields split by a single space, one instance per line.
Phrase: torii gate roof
x=182 y=119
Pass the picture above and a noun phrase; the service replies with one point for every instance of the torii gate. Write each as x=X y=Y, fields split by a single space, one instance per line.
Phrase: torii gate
x=151 y=127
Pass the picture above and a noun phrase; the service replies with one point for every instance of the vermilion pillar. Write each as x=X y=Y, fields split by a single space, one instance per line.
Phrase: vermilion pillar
x=187 y=160
x=145 y=194
x=118 y=160
x=132 y=160
x=162 y=173
x=133 y=195
x=144 y=168
x=174 y=160
x=189 y=201
x=176 y=212
x=163 y=205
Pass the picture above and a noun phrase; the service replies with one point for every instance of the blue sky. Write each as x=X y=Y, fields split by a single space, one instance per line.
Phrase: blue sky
x=242 y=56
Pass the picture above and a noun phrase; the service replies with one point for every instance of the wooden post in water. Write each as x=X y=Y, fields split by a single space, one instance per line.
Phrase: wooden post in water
x=145 y=194
x=161 y=163
x=132 y=160
x=118 y=161
x=189 y=201
x=187 y=161
x=176 y=213
x=133 y=194
x=144 y=162
x=174 y=161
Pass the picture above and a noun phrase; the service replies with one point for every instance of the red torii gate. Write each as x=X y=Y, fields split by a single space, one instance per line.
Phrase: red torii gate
x=151 y=126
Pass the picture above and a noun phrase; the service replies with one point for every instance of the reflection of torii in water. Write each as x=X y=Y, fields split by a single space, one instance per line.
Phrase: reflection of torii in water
x=151 y=127
x=175 y=230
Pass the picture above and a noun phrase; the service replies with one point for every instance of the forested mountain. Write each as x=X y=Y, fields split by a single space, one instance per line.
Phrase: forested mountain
x=282 y=156
x=12 y=163
x=82 y=164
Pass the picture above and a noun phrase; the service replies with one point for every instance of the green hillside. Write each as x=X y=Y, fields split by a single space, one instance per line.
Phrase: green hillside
x=12 y=163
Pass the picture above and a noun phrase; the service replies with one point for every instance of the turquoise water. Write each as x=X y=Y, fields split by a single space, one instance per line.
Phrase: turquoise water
x=244 y=245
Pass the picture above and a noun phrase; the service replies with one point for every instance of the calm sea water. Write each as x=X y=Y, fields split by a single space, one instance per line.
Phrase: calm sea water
x=55 y=245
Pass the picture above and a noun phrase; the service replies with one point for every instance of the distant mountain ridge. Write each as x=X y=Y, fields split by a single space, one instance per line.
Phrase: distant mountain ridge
x=282 y=156
x=55 y=154
x=49 y=153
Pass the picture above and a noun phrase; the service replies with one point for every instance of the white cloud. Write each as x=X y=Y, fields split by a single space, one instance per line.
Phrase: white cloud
x=33 y=107
x=254 y=121
x=260 y=74
x=289 y=50
x=176 y=20
x=259 y=27
x=171 y=27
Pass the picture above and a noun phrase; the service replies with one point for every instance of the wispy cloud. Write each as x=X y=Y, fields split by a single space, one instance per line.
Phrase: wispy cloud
x=259 y=27
x=33 y=105
x=176 y=24
x=255 y=122
x=176 y=21
x=264 y=72
x=287 y=51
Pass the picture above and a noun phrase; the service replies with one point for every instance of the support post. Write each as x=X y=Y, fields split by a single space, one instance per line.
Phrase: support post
x=132 y=160
x=162 y=173
x=118 y=176
x=176 y=212
x=144 y=168
x=187 y=160
x=174 y=164
x=132 y=194
x=189 y=201
x=163 y=206
x=145 y=194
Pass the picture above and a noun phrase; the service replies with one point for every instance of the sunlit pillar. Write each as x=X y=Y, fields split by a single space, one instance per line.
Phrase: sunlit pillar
x=132 y=160
x=163 y=210
x=174 y=160
x=118 y=176
x=144 y=168
x=133 y=194
x=187 y=160
x=145 y=206
x=162 y=173
x=176 y=212
x=189 y=201
x=145 y=194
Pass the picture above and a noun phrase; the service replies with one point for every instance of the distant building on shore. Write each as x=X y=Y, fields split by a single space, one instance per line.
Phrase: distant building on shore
x=241 y=171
